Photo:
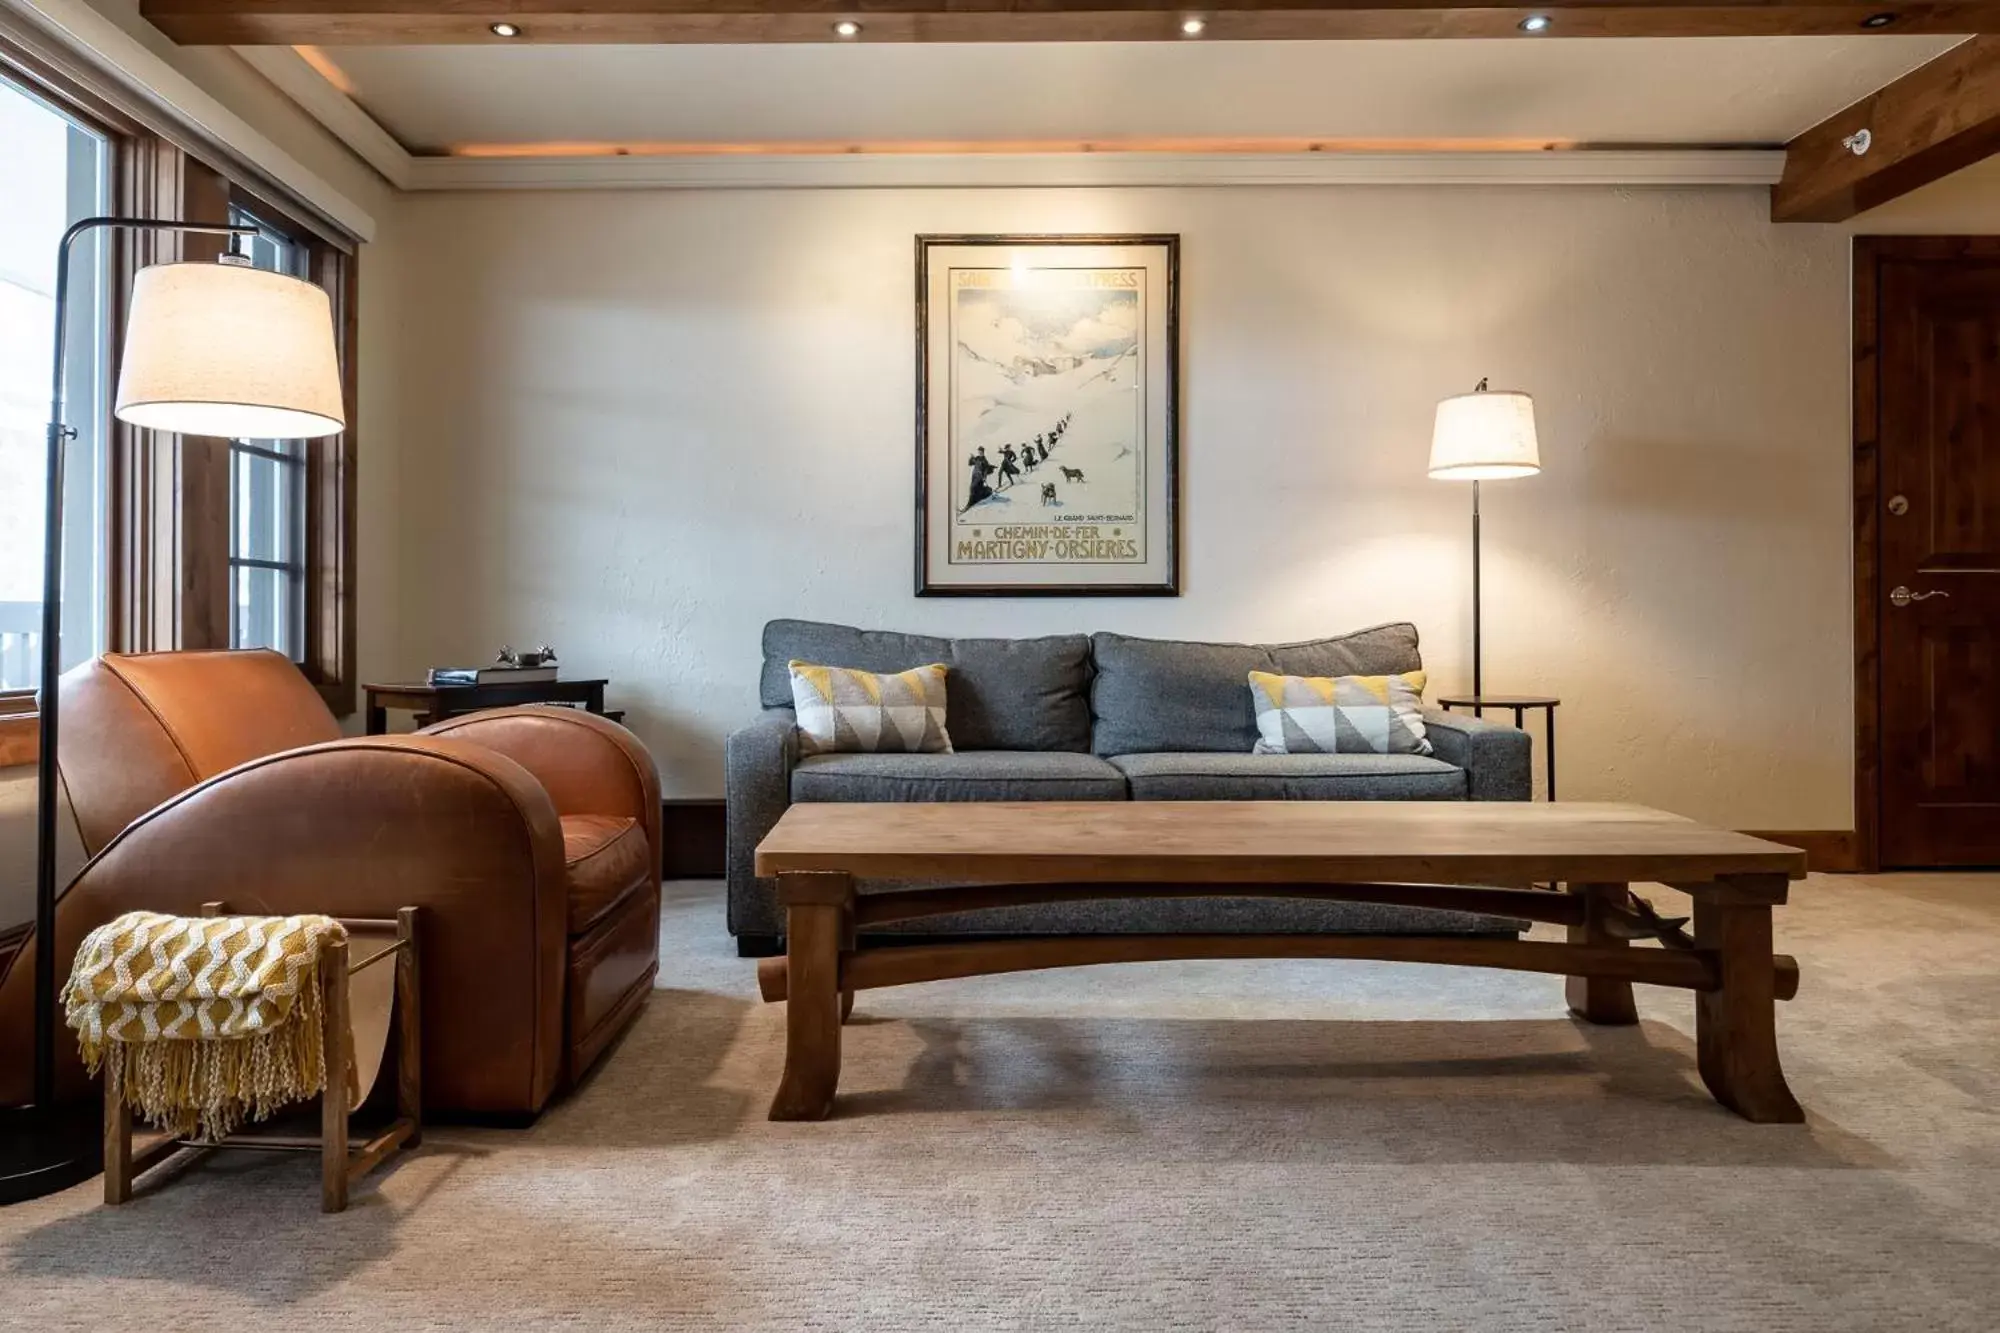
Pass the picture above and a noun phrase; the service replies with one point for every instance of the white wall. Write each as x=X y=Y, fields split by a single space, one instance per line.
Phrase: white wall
x=641 y=424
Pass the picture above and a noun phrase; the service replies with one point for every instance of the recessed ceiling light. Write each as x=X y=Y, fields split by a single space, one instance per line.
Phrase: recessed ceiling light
x=1536 y=23
x=1193 y=27
x=846 y=29
x=503 y=30
x=1878 y=20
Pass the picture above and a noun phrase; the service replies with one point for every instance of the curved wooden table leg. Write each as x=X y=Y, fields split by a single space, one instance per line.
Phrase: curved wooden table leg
x=1736 y=1032
x=815 y=905
x=1599 y=999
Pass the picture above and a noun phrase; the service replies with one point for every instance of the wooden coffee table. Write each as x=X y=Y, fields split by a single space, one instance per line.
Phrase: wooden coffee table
x=1445 y=854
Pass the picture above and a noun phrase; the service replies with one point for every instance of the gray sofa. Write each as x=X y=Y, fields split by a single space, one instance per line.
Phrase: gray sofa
x=1103 y=717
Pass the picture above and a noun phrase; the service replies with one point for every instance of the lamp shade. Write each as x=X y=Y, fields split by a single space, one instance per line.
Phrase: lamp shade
x=230 y=351
x=1485 y=436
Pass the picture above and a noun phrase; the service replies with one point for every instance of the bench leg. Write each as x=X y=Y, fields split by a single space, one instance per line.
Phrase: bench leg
x=333 y=1102
x=1736 y=1033
x=816 y=906
x=117 y=1132
x=1599 y=999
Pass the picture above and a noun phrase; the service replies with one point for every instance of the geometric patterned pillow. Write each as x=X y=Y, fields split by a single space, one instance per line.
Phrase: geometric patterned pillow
x=1339 y=714
x=849 y=711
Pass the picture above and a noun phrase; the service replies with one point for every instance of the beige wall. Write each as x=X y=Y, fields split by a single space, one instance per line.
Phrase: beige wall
x=651 y=421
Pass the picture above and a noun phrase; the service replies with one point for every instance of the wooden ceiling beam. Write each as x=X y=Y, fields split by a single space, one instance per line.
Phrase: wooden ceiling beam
x=466 y=22
x=1933 y=121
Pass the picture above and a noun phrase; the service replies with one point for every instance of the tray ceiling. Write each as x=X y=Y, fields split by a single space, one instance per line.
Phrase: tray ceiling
x=1648 y=91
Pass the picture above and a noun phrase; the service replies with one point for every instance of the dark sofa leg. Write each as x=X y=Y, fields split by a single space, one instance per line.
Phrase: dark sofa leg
x=759 y=946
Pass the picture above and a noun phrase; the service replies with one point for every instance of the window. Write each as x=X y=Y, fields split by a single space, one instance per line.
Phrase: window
x=267 y=499
x=57 y=170
x=169 y=543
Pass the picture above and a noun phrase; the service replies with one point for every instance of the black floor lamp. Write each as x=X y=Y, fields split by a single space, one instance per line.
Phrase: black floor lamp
x=211 y=349
x=1485 y=435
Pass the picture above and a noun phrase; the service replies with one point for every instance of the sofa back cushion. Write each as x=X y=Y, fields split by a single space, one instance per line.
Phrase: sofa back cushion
x=1158 y=695
x=1004 y=694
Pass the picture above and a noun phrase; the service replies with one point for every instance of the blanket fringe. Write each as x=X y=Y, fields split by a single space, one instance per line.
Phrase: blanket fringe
x=210 y=1087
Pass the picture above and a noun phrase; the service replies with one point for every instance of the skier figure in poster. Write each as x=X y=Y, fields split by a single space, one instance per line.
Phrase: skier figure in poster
x=982 y=468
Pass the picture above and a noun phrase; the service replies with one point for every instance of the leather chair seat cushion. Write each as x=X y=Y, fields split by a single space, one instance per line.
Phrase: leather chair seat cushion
x=611 y=971
x=606 y=859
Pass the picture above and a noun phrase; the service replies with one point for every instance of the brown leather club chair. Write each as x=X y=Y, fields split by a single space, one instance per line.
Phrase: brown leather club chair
x=530 y=837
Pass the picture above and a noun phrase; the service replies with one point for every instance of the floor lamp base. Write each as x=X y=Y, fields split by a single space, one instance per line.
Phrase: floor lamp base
x=43 y=1152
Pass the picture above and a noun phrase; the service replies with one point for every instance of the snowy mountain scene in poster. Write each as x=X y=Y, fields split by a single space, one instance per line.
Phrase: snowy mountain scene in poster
x=1047 y=416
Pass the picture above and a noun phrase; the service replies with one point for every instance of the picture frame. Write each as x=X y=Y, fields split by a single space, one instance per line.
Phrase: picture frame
x=1048 y=415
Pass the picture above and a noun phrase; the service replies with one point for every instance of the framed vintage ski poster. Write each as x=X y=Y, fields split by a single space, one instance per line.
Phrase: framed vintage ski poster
x=1048 y=403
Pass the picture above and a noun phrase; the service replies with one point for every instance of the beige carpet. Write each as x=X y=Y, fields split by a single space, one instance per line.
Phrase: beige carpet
x=1204 y=1146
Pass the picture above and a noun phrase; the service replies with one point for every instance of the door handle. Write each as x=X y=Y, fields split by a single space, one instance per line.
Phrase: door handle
x=1900 y=596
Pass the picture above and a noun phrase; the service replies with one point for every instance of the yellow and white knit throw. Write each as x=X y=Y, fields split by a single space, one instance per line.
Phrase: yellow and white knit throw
x=203 y=1022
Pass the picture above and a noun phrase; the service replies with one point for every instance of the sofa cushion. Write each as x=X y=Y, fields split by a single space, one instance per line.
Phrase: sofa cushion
x=606 y=858
x=979 y=775
x=1207 y=776
x=1170 y=694
x=1004 y=694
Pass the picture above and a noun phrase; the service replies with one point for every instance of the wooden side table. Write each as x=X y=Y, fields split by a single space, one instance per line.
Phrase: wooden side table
x=435 y=703
x=1519 y=704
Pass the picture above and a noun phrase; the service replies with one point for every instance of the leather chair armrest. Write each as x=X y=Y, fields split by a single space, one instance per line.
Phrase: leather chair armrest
x=589 y=765
x=359 y=828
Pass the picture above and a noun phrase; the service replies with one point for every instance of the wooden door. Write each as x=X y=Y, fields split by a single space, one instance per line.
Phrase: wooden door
x=1937 y=577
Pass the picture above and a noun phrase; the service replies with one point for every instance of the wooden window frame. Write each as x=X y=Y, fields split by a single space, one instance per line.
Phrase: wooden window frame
x=20 y=732
x=168 y=569
x=327 y=656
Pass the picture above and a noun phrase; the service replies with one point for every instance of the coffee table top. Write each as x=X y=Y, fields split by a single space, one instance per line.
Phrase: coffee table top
x=1430 y=842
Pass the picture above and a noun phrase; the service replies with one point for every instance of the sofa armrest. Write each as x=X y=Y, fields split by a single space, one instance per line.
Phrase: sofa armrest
x=758 y=762
x=588 y=765
x=1497 y=758
x=359 y=828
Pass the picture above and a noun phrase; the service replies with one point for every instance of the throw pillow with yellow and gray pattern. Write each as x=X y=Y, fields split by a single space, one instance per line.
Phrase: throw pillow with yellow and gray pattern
x=1339 y=714
x=844 y=710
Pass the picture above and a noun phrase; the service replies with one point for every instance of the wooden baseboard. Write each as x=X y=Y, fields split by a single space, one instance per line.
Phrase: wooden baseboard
x=693 y=836
x=1828 y=851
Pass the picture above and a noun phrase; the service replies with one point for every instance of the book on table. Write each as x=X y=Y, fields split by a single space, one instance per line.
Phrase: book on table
x=492 y=675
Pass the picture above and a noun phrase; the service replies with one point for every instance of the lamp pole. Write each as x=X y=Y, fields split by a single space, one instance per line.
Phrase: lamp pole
x=1478 y=676
x=1478 y=680
x=42 y=1153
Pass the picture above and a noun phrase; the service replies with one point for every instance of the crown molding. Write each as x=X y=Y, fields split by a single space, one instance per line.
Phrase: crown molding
x=846 y=171
x=340 y=114
x=98 y=40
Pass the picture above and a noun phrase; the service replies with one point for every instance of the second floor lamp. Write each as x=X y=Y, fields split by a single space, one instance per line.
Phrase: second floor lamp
x=1485 y=435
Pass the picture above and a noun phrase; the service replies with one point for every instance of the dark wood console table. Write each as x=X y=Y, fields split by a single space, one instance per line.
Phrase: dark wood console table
x=435 y=703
